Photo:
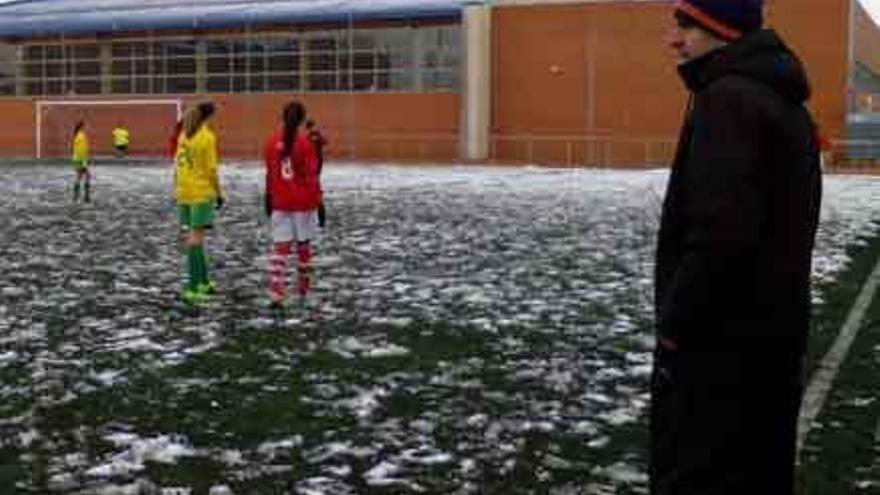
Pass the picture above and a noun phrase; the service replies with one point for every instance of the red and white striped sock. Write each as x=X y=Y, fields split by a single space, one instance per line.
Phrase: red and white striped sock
x=278 y=269
x=303 y=268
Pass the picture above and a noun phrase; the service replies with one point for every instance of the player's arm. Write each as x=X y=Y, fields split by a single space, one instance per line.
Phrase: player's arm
x=212 y=161
x=268 y=160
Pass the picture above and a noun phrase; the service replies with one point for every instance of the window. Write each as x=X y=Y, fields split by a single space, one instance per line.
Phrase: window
x=405 y=58
x=121 y=86
x=440 y=58
x=173 y=66
x=282 y=64
x=56 y=68
x=34 y=87
x=322 y=61
x=87 y=86
x=8 y=66
x=219 y=65
x=235 y=66
x=178 y=66
x=157 y=67
x=283 y=55
x=130 y=66
x=256 y=66
x=7 y=86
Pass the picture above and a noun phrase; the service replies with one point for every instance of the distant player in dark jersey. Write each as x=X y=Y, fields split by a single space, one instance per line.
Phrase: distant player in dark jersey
x=293 y=194
x=318 y=142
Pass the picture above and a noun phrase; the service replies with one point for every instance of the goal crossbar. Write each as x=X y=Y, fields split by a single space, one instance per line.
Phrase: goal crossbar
x=41 y=104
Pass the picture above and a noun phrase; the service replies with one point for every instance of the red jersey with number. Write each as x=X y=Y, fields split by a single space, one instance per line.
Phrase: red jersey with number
x=292 y=179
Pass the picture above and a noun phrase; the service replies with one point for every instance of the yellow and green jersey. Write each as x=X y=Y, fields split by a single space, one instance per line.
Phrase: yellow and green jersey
x=80 y=149
x=196 y=168
x=120 y=136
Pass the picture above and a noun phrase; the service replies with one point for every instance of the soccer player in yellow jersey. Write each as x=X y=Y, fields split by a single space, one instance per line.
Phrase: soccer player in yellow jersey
x=198 y=194
x=80 y=160
x=120 y=140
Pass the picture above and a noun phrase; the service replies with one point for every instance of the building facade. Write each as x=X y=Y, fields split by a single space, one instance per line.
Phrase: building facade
x=577 y=83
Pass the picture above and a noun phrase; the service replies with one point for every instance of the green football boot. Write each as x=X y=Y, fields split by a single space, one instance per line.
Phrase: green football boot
x=208 y=288
x=194 y=297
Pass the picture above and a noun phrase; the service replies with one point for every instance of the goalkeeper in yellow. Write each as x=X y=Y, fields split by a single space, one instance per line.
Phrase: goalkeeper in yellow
x=80 y=159
x=120 y=140
x=198 y=194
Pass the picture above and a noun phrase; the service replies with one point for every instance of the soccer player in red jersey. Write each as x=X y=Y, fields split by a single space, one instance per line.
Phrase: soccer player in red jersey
x=293 y=194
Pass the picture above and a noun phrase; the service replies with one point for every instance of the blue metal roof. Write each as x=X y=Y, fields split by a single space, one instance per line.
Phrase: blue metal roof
x=32 y=18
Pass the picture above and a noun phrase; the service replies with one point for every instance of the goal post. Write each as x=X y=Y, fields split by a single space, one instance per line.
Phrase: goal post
x=149 y=122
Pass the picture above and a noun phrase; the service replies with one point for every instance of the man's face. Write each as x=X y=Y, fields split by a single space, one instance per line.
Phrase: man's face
x=689 y=41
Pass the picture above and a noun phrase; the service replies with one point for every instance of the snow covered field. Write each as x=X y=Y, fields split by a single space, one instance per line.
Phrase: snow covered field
x=473 y=330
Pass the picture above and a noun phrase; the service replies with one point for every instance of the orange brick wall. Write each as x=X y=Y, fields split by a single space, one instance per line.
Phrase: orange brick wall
x=544 y=56
x=362 y=126
x=604 y=69
x=818 y=31
x=150 y=127
x=600 y=69
x=17 y=131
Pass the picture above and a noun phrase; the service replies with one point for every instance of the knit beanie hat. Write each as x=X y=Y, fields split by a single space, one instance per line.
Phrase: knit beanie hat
x=729 y=19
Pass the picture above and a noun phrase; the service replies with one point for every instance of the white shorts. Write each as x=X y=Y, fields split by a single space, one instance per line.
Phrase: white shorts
x=300 y=226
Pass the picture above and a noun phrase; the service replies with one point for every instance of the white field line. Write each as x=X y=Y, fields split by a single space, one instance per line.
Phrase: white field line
x=823 y=378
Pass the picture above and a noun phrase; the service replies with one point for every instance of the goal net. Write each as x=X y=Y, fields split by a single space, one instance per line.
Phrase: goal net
x=149 y=123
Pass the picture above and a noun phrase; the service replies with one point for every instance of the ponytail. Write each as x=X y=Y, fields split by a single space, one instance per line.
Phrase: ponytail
x=292 y=118
x=196 y=116
x=192 y=120
x=78 y=127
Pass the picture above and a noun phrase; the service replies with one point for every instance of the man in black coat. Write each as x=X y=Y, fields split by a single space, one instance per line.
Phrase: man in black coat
x=733 y=260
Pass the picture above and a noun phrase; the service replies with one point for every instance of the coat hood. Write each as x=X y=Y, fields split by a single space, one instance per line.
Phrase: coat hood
x=760 y=56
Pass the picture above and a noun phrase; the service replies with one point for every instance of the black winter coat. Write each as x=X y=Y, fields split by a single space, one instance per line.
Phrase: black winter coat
x=733 y=276
x=742 y=204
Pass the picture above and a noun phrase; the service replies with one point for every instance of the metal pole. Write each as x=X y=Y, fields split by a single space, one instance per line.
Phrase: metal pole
x=150 y=76
x=20 y=75
x=607 y=154
x=39 y=123
x=567 y=153
x=351 y=96
x=66 y=77
x=851 y=24
x=337 y=85
x=591 y=79
x=248 y=45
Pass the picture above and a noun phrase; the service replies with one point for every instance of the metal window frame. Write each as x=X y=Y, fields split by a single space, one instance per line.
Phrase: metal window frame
x=416 y=46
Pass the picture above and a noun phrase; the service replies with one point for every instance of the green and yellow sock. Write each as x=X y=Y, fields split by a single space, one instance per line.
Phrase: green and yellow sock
x=193 y=264
x=201 y=264
x=204 y=257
